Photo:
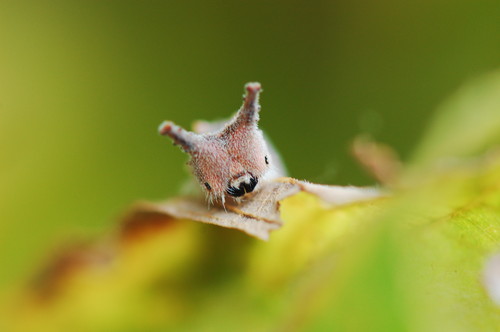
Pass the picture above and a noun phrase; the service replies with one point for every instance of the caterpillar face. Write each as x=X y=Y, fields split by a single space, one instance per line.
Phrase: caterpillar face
x=229 y=161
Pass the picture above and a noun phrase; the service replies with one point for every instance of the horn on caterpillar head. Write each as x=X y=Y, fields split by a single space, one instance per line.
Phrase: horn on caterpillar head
x=187 y=140
x=248 y=115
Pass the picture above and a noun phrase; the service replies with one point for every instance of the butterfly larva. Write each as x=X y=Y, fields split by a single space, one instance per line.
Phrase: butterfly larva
x=229 y=161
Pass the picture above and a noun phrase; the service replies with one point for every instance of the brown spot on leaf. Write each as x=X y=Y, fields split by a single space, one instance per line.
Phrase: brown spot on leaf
x=65 y=263
x=143 y=220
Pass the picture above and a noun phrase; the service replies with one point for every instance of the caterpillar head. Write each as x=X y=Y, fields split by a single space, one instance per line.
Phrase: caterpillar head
x=229 y=161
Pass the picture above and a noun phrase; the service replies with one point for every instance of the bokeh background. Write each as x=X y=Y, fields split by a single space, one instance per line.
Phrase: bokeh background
x=84 y=85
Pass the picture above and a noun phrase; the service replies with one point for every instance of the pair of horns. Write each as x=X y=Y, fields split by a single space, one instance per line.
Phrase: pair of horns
x=247 y=115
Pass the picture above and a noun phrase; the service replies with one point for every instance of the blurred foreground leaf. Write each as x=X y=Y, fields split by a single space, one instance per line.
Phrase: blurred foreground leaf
x=465 y=125
x=411 y=262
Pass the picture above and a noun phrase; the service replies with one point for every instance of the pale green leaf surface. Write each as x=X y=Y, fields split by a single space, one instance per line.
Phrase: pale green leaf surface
x=465 y=125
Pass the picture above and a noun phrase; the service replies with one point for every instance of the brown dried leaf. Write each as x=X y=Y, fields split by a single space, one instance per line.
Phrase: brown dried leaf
x=257 y=215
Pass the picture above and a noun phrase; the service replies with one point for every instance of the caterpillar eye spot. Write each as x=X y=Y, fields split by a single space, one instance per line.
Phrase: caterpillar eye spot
x=236 y=192
x=266 y=160
x=207 y=185
x=243 y=188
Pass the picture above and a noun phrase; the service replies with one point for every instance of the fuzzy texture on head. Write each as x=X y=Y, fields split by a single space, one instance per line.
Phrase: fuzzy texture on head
x=230 y=161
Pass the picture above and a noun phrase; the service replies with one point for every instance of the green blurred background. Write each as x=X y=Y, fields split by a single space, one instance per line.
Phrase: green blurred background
x=84 y=85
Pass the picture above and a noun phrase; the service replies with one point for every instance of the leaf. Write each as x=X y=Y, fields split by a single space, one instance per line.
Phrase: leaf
x=259 y=213
x=256 y=216
x=416 y=264
x=344 y=258
x=467 y=125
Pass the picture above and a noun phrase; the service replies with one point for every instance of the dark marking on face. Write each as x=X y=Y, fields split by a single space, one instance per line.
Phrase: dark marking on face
x=243 y=188
x=207 y=185
x=249 y=187
x=266 y=160
x=236 y=192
